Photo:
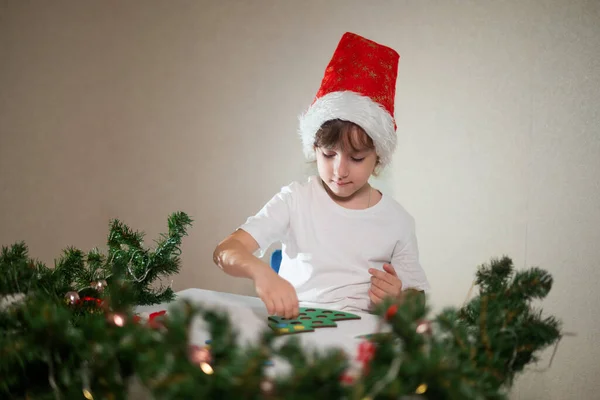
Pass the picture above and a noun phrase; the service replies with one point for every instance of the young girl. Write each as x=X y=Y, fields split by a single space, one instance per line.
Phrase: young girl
x=345 y=245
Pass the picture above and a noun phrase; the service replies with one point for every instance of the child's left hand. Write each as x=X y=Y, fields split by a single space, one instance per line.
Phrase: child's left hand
x=384 y=284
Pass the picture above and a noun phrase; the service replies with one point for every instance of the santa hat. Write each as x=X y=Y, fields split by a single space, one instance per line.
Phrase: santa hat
x=359 y=86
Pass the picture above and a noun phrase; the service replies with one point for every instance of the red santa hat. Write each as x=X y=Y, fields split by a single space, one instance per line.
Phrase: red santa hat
x=359 y=85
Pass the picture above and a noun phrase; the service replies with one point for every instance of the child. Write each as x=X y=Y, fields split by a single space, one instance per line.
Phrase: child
x=345 y=245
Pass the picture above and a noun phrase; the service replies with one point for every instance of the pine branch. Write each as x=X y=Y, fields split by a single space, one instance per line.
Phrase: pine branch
x=17 y=270
x=534 y=283
x=494 y=276
x=51 y=349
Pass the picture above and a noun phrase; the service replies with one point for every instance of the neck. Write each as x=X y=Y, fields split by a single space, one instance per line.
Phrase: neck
x=358 y=200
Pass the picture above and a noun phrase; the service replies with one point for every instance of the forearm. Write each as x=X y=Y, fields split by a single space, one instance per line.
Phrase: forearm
x=235 y=260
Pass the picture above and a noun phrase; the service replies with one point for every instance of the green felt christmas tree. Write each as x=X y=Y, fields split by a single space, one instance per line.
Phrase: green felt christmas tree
x=309 y=319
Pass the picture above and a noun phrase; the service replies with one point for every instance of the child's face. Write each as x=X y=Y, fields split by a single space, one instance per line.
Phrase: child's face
x=345 y=171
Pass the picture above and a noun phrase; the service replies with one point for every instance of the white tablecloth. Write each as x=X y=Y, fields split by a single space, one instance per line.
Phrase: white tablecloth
x=249 y=318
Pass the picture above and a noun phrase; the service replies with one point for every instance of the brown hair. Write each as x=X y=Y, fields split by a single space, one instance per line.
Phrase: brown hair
x=346 y=134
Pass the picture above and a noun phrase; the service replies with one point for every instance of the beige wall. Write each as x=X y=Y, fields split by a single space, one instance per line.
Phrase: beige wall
x=136 y=109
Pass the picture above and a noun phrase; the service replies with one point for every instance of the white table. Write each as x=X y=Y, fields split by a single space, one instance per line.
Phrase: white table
x=249 y=318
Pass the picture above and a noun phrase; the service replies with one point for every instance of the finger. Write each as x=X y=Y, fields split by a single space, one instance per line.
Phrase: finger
x=382 y=275
x=380 y=283
x=287 y=308
x=374 y=298
x=291 y=308
x=280 y=304
x=389 y=278
x=393 y=289
x=383 y=285
x=379 y=293
x=377 y=273
x=295 y=307
x=289 y=313
x=390 y=269
x=270 y=306
x=292 y=303
x=294 y=312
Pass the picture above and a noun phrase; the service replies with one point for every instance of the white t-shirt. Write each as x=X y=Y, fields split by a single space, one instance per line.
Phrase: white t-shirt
x=327 y=249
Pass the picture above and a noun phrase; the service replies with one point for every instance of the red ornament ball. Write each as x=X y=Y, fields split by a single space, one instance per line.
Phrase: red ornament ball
x=391 y=311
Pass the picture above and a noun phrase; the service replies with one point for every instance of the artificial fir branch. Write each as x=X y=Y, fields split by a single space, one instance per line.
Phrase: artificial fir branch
x=50 y=349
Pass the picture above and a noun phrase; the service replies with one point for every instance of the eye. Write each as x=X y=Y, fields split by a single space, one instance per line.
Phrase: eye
x=356 y=159
x=328 y=155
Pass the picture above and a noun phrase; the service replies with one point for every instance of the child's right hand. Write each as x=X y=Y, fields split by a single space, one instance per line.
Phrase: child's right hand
x=278 y=294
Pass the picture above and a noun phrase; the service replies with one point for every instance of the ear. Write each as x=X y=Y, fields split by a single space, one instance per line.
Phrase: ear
x=376 y=168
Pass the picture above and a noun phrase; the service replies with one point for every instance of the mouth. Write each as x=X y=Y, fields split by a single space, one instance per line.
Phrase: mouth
x=341 y=183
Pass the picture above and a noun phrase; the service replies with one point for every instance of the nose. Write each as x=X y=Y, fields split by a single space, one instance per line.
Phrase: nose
x=340 y=167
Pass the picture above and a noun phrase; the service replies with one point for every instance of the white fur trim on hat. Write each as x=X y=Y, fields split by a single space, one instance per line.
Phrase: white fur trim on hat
x=353 y=107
